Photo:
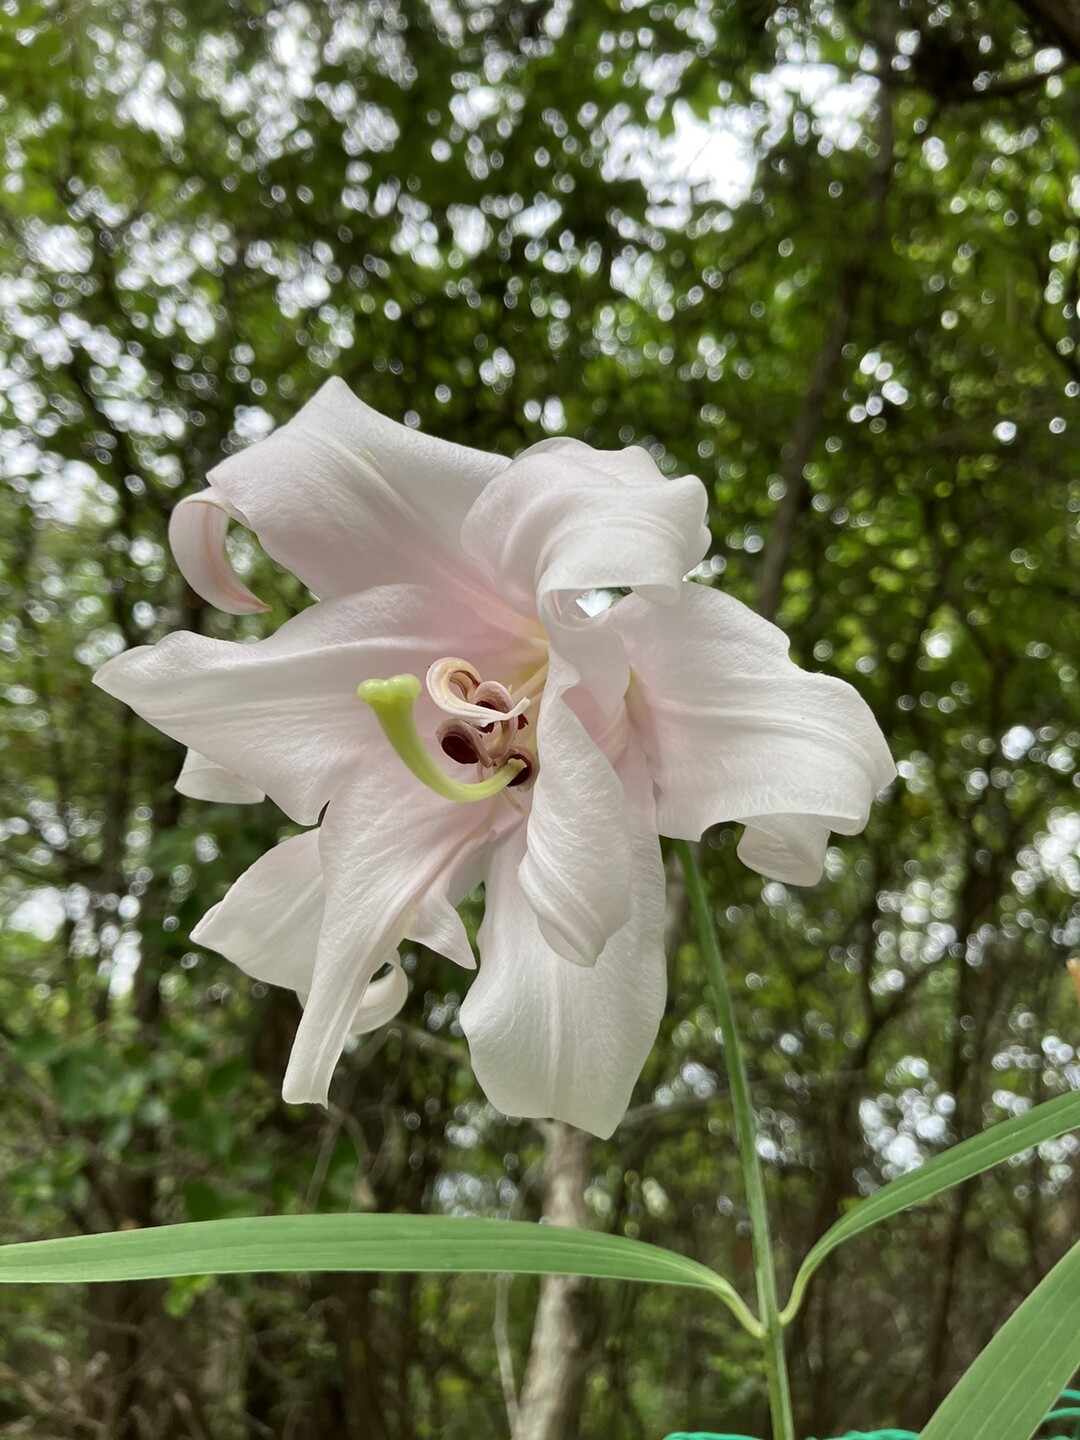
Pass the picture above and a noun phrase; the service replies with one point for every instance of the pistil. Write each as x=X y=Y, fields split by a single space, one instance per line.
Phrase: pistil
x=392 y=701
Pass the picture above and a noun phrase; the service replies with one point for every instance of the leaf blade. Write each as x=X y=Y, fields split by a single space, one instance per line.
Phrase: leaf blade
x=1006 y=1392
x=961 y=1162
x=293 y=1243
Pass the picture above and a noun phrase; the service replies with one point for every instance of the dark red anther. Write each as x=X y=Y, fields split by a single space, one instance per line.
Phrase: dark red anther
x=461 y=743
x=459 y=749
x=527 y=776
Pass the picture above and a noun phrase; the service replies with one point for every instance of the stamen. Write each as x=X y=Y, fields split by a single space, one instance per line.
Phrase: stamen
x=451 y=680
x=462 y=742
x=453 y=698
x=526 y=778
x=393 y=701
x=490 y=695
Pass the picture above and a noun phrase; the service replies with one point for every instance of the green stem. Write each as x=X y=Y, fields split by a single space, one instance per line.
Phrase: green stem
x=772 y=1343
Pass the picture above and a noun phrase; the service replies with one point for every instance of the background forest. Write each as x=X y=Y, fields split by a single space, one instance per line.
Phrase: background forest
x=824 y=256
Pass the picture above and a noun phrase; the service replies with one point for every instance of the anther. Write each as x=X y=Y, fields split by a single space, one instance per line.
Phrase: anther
x=452 y=680
x=525 y=779
x=457 y=689
x=461 y=742
x=490 y=695
x=463 y=681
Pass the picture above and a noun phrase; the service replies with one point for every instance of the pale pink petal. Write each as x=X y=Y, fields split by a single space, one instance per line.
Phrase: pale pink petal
x=576 y=870
x=736 y=731
x=268 y=924
x=284 y=712
x=381 y=1001
x=565 y=519
x=436 y=923
x=632 y=465
x=197 y=530
x=596 y=651
x=790 y=848
x=395 y=858
x=347 y=499
x=201 y=779
x=548 y=1038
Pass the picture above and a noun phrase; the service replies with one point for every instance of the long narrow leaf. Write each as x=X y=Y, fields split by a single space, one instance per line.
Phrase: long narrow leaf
x=962 y=1162
x=1006 y=1393
x=293 y=1243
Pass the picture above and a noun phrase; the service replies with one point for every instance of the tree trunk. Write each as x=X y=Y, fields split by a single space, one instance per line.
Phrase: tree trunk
x=555 y=1375
x=351 y=1321
x=821 y=387
x=132 y=1333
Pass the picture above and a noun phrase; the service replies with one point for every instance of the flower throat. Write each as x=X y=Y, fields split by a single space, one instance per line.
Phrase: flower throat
x=482 y=728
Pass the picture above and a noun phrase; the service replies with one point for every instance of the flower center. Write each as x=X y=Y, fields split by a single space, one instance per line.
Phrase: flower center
x=482 y=728
x=485 y=719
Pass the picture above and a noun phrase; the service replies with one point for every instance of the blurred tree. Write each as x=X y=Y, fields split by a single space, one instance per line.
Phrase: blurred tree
x=825 y=256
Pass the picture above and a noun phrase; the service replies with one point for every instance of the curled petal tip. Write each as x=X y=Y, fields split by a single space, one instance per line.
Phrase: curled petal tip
x=197 y=530
x=300 y=1088
x=382 y=999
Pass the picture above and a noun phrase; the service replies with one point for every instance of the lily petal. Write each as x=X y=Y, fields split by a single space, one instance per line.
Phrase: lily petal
x=596 y=652
x=789 y=848
x=381 y=1001
x=283 y=712
x=201 y=779
x=552 y=1039
x=345 y=499
x=197 y=529
x=576 y=871
x=436 y=923
x=394 y=858
x=736 y=731
x=565 y=518
x=268 y=924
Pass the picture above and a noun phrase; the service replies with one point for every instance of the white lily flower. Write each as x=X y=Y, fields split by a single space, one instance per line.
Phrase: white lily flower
x=508 y=737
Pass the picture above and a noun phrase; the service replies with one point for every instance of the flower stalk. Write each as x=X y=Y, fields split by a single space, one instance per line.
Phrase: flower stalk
x=772 y=1336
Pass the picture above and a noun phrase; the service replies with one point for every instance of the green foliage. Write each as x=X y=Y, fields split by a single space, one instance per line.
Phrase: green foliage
x=962 y=1162
x=1020 y=1374
x=386 y=1243
x=851 y=308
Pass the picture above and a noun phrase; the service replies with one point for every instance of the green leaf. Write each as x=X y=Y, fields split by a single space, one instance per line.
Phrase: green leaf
x=962 y=1162
x=37 y=1048
x=228 y=1077
x=1006 y=1393
x=290 y=1243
